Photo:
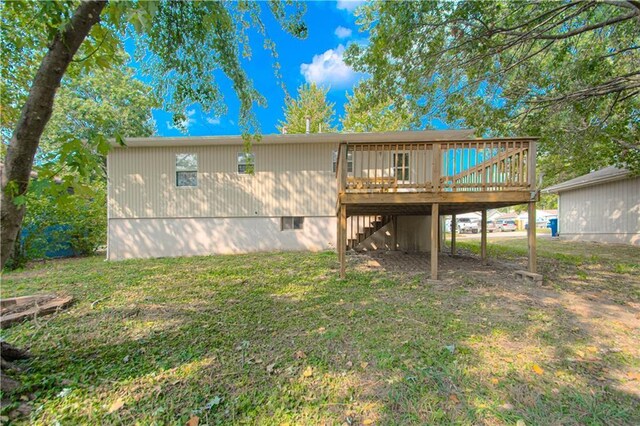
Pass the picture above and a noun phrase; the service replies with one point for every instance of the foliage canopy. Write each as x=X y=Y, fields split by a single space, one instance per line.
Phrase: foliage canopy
x=568 y=72
x=360 y=115
x=311 y=103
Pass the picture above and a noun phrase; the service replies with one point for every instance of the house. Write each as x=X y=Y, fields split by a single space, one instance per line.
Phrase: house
x=600 y=206
x=210 y=195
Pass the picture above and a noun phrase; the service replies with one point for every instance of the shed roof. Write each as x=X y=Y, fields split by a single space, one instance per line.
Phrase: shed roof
x=608 y=174
x=404 y=136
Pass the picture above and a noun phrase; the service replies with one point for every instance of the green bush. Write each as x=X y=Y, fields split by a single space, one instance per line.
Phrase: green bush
x=53 y=222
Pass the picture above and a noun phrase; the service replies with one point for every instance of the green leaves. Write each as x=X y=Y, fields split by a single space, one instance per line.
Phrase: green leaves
x=363 y=115
x=311 y=103
x=187 y=47
x=509 y=68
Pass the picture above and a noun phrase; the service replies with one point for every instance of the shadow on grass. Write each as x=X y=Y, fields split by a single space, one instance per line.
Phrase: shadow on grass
x=277 y=338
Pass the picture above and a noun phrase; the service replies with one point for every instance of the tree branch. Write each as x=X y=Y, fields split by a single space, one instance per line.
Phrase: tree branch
x=587 y=28
x=616 y=85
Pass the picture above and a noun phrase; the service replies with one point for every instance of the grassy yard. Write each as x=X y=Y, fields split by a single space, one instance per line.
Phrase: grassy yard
x=278 y=339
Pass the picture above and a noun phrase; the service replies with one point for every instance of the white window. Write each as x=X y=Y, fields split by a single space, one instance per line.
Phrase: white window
x=246 y=163
x=292 y=223
x=401 y=165
x=349 y=162
x=186 y=169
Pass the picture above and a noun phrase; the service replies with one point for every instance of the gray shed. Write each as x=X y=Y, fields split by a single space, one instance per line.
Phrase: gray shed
x=601 y=206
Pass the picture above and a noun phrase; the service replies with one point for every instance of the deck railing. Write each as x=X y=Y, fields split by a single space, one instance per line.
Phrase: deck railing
x=445 y=166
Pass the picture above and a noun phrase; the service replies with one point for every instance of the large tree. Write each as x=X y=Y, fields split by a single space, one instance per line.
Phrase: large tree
x=311 y=104
x=66 y=198
x=361 y=115
x=185 y=47
x=567 y=71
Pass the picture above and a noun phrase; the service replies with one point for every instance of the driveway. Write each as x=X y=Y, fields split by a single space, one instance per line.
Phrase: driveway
x=542 y=233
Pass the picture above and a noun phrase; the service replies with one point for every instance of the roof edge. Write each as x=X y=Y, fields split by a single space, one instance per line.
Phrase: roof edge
x=400 y=136
x=585 y=180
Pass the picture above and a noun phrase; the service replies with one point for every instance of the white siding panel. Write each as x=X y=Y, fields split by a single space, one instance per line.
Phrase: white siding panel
x=289 y=180
x=609 y=212
x=164 y=237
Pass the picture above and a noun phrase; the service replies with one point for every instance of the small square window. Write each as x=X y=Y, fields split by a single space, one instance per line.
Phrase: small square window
x=186 y=170
x=246 y=163
x=334 y=157
x=292 y=223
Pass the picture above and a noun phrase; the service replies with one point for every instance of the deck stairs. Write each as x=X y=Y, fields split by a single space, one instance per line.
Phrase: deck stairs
x=363 y=227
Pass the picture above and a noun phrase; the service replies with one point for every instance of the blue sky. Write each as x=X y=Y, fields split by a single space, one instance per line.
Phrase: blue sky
x=317 y=58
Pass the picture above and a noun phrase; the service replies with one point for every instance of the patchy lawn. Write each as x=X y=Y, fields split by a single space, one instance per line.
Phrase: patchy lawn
x=278 y=339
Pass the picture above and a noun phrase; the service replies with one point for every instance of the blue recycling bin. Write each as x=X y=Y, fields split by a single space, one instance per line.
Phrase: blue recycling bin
x=553 y=224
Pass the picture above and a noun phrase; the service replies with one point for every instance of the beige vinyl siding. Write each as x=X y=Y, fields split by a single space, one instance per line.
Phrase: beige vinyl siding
x=608 y=212
x=169 y=237
x=289 y=180
x=380 y=164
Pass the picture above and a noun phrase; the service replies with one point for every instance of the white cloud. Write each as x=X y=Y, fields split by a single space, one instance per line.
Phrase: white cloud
x=349 y=5
x=329 y=68
x=213 y=120
x=343 y=32
x=184 y=124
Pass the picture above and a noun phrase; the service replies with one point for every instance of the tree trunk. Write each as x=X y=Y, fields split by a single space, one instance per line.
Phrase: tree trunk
x=34 y=116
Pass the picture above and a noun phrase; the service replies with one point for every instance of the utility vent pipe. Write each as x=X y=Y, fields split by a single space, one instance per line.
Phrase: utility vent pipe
x=308 y=124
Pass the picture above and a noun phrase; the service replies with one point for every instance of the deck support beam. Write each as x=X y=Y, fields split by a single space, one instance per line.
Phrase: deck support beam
x=454 y=228
x=483 y=236
x=434 y=240
x=531 y=234
x=342 y=239
x=394 y=236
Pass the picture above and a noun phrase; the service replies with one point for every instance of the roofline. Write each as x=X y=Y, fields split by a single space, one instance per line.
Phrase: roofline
x=576 y=183
x=465 y=135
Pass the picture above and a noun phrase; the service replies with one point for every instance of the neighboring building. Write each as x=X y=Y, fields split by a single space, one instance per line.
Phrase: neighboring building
x=600 y=206
x=208 y=195
x=542 y=218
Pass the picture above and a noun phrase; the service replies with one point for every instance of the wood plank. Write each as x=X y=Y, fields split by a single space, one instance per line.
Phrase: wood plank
x=435 y=167
x=441 y=197
x=23 y=300
x=46 y=308
x=434 y=241
x=342 y=240
x=531 y=165
x=394 y=220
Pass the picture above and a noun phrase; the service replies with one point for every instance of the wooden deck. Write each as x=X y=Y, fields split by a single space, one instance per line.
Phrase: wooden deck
x=435 y=178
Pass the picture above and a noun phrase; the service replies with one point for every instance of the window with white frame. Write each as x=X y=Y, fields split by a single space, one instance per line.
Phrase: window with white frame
x=291 y=223
x=349 y=162
x=246 y=163
x=187 y=170
x=401 y=165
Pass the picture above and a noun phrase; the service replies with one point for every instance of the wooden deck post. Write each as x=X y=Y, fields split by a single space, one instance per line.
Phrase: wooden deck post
x=531 y=234
x=341 y=171
x=483 y=236
x=434 y=240
x=441 y=235
x=394 y=237
x=342 y=239
x=454 y=227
